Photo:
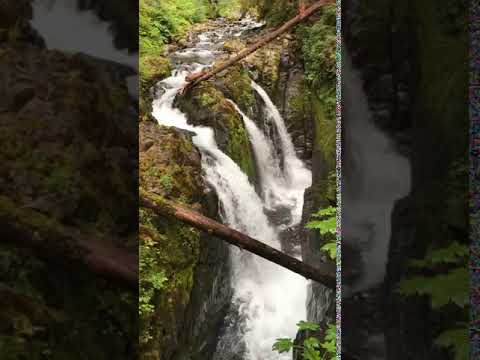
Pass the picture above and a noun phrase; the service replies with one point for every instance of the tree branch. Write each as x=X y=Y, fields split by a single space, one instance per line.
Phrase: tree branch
x=236 y=238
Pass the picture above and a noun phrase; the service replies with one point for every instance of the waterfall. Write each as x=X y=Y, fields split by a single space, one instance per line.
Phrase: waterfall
x=268 y=298
x=374 y=177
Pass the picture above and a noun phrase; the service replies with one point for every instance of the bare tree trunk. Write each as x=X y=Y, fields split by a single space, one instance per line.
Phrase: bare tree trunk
x=196 y=78
x=63 y=245
x=236 y=238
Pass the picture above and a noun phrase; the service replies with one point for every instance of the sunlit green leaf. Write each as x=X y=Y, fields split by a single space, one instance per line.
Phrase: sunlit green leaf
x=307 y=325
x=331 y=248
x=283 y=345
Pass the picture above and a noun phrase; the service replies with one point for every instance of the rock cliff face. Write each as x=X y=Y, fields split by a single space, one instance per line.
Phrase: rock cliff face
x=186 y=314
x=406 y=52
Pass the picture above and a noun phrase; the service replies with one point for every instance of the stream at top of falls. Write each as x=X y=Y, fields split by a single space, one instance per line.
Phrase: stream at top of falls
x=268 y=299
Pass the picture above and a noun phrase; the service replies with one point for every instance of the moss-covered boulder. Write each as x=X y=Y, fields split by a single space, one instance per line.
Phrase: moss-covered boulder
x=166 y=246
x=207 y=105
x=184 y=287
x=152 y=70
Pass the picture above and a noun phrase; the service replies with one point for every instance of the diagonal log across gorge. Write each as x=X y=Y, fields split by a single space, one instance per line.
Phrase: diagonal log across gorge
x=198 y=77
x=169 y=208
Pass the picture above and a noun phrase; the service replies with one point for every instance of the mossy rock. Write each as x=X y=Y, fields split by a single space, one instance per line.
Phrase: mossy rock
x=265 y=62
x=167 y=246
x=152 y=70
x=234 y=46
x=208 y=106
x=235 y=82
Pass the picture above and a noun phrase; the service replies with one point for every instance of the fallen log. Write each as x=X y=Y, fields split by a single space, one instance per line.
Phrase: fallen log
x=234 y=237
x=65 y=245
x=196 y=78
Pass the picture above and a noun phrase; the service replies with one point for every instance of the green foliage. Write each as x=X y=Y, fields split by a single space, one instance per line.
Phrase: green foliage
x=307 y=325
x=325 y=222
x=443 y=289
x=229 y=8
x=166 y=181
x=331 y=249
x=330 y=341
x=312 y=348
x=452 y=254
x=162 y=21
x=448 y=285
x=457 y=340
x=319 y=51
x=283 y=345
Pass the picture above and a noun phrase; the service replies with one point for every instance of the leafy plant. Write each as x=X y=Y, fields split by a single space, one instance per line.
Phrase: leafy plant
x=449 y=287
x=325 y=220
x=312 y=348
x=319 y=51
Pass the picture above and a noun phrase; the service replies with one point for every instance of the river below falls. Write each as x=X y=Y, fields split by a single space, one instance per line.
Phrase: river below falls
x=268 y=300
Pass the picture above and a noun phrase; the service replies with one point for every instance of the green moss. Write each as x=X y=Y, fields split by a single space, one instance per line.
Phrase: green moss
x=238 y=85
x=266 y=62
x=169 y=250
x=153 y=68
x=324 y=148
x=239 y=148
x=325 y=133
x=222 y=115
x=234 y=46
x=319 y=51
x=275 y=12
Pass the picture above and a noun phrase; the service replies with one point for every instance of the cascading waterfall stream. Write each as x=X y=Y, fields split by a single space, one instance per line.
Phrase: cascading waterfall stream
x=375 y=176
x=270 y=299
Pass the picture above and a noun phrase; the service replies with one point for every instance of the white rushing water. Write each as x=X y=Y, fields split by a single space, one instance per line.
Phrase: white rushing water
x=271 y=299
x=375 y=176
x=64 y=27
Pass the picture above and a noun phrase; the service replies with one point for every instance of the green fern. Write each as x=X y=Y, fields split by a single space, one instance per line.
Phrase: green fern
x=452 y=254
x=331 y=248
x=449 y=287
x=312 y=348
x=443 y=289
x=326 y=222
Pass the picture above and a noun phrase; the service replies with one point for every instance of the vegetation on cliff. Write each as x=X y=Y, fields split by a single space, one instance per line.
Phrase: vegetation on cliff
x=168 y=257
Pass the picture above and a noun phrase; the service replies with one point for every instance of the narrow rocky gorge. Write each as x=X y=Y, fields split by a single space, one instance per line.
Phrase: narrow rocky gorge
x=257 y=141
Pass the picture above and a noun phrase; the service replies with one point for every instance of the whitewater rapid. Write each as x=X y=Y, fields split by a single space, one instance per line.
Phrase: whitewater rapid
x=270 y=298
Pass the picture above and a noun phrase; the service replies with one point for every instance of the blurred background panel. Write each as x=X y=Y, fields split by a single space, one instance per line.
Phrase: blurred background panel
x=68 y=183
x=405 y=180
